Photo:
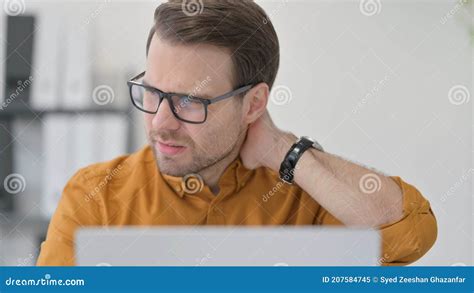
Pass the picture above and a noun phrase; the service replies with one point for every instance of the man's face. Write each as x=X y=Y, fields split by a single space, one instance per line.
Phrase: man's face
x=181 y=148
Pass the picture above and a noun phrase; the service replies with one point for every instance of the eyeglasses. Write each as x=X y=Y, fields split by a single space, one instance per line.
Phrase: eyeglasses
x=185 y=107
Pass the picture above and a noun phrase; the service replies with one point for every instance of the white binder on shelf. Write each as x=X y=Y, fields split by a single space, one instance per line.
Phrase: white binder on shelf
x=3 y=48
x=86 y=147
x=27 y=162
x=77 y=91
x=71 y=142
x=58 y=159
x=47 y=60
x=113 y=142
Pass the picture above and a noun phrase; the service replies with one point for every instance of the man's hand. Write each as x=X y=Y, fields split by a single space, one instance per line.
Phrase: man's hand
x=331 y=181
x=265 y=144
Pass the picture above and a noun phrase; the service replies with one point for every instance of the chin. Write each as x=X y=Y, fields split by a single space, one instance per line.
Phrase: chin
x=170 y=166
x=167 y=169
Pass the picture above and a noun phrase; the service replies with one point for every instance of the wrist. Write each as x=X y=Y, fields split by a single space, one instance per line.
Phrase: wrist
x=297 y=152
x=282 y=142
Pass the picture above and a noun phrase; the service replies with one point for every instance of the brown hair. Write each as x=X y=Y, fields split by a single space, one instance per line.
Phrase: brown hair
x=241 y=26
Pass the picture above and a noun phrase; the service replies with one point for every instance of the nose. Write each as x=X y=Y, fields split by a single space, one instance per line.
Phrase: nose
x=164 y=118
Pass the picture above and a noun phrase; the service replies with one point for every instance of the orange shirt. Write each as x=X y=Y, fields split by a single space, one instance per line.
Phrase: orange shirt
x=130 y=190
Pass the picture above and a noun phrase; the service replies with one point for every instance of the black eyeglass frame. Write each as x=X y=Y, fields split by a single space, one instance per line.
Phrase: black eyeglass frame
x=167 y=96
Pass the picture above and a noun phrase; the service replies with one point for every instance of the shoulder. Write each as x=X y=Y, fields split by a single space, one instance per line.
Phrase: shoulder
x=103 y=179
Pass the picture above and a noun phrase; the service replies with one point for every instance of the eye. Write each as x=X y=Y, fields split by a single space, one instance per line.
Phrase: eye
x=186 y=101
x=150 y=92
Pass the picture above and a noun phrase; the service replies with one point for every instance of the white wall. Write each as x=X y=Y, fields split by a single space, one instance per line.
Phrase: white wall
x=374 y=89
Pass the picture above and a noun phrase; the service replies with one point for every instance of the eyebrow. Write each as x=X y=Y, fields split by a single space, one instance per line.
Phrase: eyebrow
x=203 y=96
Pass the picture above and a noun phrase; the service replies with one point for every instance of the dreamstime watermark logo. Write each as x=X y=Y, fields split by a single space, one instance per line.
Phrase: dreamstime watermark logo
x=202 y=84
x=192 y=7
x=370 y=183
x=453 y=11
x=267 y=196
x=110 y=174
x=14 y=7
x=95 y=13
x=383 y=259
x=464 y=177
x=47 y=280
x=21 y=86
x=103 y=94
x=22 y=262
x=373 y=91
x=14 y=183
x=182 y=104
x=370 y=7
x=281 y=95
x=459 y=95
x=203 y=260
x=192 y=183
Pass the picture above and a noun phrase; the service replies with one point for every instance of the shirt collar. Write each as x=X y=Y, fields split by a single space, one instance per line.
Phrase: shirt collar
x=232 y=180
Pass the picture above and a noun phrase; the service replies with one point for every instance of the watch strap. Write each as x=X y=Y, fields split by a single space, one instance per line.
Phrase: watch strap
x=287 y=167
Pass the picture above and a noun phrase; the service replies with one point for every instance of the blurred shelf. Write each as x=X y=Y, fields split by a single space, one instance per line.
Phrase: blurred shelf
x=13 y=220
x=13 y=112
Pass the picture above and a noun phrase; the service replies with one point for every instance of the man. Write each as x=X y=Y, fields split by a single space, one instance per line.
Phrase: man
x=216 y=158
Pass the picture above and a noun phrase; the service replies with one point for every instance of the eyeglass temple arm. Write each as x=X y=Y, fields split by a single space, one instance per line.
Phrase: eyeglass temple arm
x=138 y=76
x=231 y=94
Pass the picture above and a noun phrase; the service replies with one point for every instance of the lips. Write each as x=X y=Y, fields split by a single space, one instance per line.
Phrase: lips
x=170 y=143
x=170 y=148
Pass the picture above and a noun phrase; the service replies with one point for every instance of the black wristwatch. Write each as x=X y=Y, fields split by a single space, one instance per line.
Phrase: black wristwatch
x=287 y=167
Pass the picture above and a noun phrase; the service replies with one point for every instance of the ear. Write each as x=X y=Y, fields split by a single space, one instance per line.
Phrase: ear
x=255 y=102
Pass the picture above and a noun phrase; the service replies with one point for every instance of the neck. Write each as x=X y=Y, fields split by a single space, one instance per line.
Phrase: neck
x=212 y=174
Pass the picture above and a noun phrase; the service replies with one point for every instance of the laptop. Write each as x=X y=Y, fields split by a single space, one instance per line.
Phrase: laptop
x=227 y=246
